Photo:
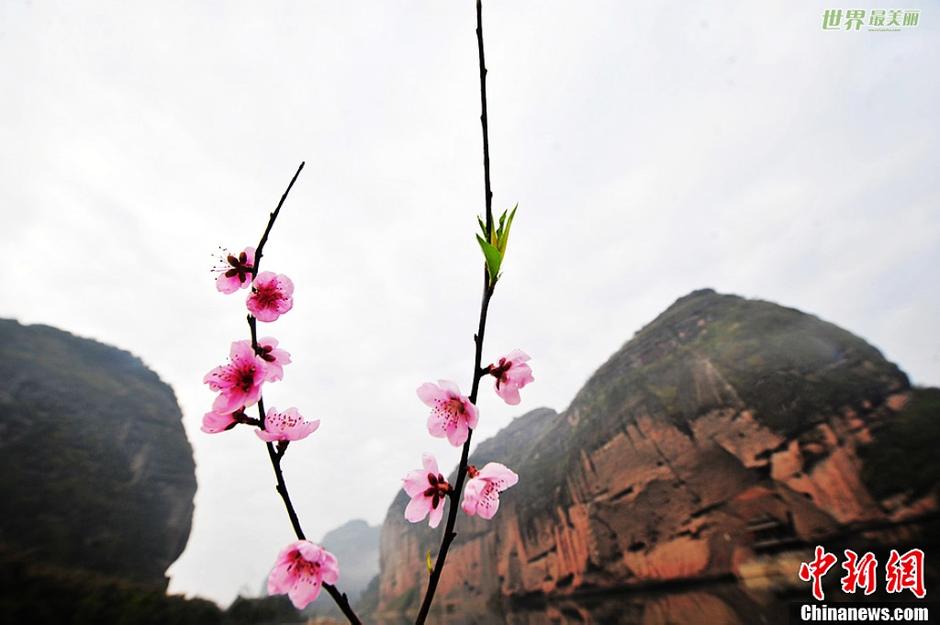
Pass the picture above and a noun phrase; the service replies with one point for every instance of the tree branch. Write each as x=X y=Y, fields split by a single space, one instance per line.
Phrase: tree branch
x=488 y=192
x=339 y=597
x=478 y=371
x=259 y=251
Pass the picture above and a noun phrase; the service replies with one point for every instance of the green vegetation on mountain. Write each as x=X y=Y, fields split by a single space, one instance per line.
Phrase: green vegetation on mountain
x=793 y=368
x=903 y=456
x=48 y=594
x=98 y=485
x=102 y=473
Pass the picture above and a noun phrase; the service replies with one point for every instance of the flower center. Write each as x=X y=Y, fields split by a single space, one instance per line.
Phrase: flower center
x=264 y=352
x=238 y=266
x=499 y=371
x=437 y=489
x=246 y=379
x=267 y=296
x=451 y=410
x=301 y=566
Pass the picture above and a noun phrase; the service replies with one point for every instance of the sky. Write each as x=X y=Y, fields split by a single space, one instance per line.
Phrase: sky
x=653 y=148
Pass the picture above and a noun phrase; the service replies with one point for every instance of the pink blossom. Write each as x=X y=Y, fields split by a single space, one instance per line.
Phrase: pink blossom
x=239 y=381
x=452 y=414
x=270 y=296
x=235 y=273
x=286 y=426
x=299 y=571
x=214 y=422
x=274 y=358
x=427 y=489
x=511 y=374
x=481 y=494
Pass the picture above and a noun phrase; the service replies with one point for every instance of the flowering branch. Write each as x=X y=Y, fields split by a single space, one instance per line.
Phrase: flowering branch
x=456 y=416
x=303 y=567
x=275 y=455
x=454 y=494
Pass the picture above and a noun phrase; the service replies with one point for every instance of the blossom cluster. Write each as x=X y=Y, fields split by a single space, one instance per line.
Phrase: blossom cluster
x=302 y=567
x=453 y=416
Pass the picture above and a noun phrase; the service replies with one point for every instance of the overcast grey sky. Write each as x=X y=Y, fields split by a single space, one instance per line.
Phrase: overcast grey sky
x=653 y=148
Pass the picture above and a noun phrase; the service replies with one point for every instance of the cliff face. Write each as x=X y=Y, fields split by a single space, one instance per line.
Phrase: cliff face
x=98 y=472
x=724 y=428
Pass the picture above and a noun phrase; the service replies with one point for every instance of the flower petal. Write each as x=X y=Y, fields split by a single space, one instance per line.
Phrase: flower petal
x=437 y=424
x=418 y=508
x=329 y=568
x=226 y=403
x=430 y=394
x=268 y=436
x=450 y=387
x=473 y=413
x=311 y=552
x=471 y=495
x=430 y=464
x=499 y=475
x=517 y=356
x=229 y=284
x=488 y=504
x=457 y=432
x=285 y=285
x=214 y=422
x=509 y=393
x=278 y=580
x=415 y=482
x=304 y=590
x=305 y=430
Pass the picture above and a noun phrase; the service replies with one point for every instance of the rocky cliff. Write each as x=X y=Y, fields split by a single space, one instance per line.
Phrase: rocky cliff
x=99 y=475
x=724 y=429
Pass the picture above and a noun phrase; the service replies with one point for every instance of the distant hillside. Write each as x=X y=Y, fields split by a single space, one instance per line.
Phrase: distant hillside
x=356 y=545
x=725 y=428
x=98 y=473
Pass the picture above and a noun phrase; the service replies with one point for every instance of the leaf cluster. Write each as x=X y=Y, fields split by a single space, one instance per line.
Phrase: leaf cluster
x=493 y=242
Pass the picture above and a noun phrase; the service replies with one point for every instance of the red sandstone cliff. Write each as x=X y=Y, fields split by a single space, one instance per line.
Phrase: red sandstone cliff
x=725 y=428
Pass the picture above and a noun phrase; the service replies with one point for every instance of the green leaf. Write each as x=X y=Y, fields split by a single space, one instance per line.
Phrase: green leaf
x=482 y=225
x=493 y=258
x=428 y=562
x=504 y=233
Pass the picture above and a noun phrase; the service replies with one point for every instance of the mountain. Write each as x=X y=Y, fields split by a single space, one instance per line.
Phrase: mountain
x=99 y=474
x=356 y=545
x=724 y=429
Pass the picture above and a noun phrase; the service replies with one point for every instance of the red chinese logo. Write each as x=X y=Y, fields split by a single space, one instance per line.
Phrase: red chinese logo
x=902 y=572
x=816 y=569
x=906 y=572
x=859 y=572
